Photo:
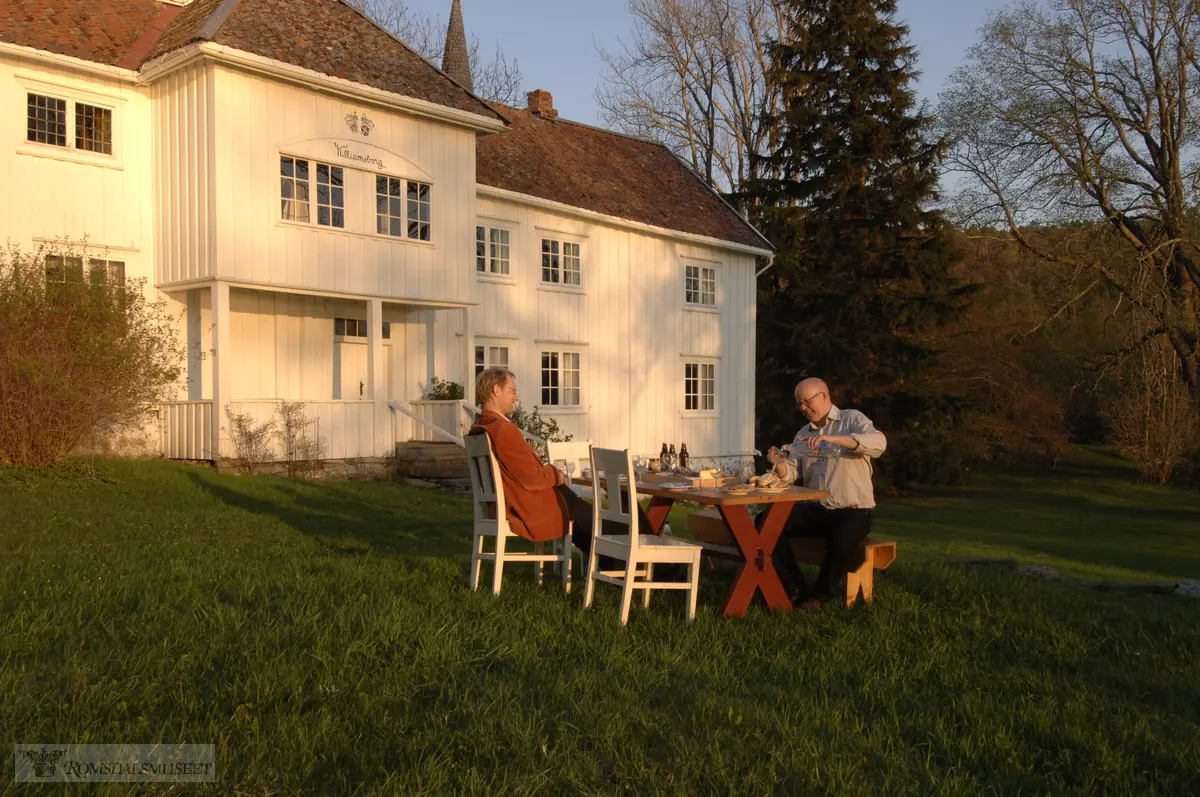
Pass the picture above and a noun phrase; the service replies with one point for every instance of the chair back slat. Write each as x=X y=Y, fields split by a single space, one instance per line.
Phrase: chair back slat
x=576 y=452
x=608 y=466
x=487 y=491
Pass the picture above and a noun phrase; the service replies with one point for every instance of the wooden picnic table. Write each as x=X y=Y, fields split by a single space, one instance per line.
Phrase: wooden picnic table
x=754 y=546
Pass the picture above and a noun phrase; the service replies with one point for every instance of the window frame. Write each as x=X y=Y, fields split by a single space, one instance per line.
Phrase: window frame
x=313 y=186
x=561 y=352
x=700 y=304
x=359 y=323
x=485 y=346
x=488 y=258
x=406 y=207
x=700 y=364
x=72 y=97
x=563 y=241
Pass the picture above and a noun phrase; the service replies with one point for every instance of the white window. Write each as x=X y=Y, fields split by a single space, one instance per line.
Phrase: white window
x=357 y=328
x=295 y=190
x=492 y=250
x=101 y=273
x=700 y=286
x=561 y=262
x=49 y=118
x=699 y=386
x=487 y=356
x=402 y=208
x=560 y=374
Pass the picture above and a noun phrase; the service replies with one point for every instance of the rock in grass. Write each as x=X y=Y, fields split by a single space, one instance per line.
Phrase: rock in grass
x=1041 y=571
x=1188 y=587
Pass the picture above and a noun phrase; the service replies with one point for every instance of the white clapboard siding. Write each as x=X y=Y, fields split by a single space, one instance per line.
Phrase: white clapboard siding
x=349 y=428
x=187 y=429
x=58 y=193
x=631 y=326
x=256 y=119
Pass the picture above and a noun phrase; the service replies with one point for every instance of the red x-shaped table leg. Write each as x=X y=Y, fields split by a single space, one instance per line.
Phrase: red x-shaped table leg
x=758 y=571
x=657 y=512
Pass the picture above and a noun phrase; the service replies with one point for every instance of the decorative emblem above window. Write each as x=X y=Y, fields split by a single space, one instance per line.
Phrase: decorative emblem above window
x=358 y=123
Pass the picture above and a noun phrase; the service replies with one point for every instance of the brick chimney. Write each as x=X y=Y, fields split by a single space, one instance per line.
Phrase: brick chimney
x=540 y=103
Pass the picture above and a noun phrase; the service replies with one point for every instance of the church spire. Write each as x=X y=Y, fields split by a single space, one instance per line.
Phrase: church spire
x=456 y=61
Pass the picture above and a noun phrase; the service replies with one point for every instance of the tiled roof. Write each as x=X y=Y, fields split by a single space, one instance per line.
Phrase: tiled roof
x=326 y=36
x=94 y=31
x=608 y=173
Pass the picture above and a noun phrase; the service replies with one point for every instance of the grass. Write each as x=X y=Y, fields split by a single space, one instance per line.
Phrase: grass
x=321 y=636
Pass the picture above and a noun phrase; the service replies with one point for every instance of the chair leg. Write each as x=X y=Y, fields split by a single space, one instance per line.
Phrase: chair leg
x=590 y=588
x=498 y=569
x=476 y=549
x=538 y=549
x=694 y=591
x=564 y=562
x=646 y=592
x=627 y=593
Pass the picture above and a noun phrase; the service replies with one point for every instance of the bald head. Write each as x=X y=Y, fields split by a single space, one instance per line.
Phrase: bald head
x=812 y=397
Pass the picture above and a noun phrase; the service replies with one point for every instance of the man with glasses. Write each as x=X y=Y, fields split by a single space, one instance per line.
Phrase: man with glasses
x=833 y=453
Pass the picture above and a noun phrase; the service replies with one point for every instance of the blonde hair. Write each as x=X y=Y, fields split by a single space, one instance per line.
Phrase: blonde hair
x=487 y=382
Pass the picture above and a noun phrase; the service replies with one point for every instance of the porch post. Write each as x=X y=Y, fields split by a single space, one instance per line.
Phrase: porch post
x=376 y=390
x=468 y=357
x=222 y=362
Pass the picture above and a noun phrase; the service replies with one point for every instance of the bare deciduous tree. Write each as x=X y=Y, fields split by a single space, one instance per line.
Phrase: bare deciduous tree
x=692 y=78
x=1081 y=110
x=498 y=80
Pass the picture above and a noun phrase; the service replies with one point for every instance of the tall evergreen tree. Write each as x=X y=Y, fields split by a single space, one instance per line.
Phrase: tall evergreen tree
x=862 y=274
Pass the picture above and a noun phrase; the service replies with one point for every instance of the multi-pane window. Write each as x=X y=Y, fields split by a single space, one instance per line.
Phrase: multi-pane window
x=295 y=191
x=294 y=179
x=331 y=196
x=46 y=120
x=93 y=128
x=418 y=211
x=49 y=118
x=700 y=286
x=490 y=357
x=64 y=269
x=492 y=249
x=699 y=386
x=106 y=273
x=357 y=328
x=560 y=379
x=391 y=215
x=560 y=262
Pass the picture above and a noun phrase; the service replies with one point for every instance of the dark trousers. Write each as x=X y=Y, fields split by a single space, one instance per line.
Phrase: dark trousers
x=580 y=512
x=843 y=530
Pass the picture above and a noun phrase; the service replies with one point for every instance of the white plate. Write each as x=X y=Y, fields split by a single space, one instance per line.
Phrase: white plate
x=672 y=485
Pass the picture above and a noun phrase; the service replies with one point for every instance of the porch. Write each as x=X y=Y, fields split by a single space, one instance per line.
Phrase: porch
x=250 y=350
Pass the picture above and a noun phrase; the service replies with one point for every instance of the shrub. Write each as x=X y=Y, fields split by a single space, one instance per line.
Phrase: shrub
x=534 y=424
x=82 y=355
x=443 y=390
x=302 y=451
x=251 y=441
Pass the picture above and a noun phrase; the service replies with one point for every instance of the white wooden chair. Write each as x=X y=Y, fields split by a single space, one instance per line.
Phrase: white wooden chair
x=488 y=492
x=639 y=552
x=579 y=454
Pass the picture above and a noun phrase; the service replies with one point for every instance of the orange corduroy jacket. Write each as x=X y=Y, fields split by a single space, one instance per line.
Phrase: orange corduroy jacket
x=535 y=509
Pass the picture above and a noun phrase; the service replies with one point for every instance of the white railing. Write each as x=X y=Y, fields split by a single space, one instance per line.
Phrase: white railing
x=187 y=430
x=428 y=424
x=350 y=428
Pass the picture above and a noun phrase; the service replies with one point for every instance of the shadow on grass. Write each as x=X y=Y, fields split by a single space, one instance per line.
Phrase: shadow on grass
x=349 y=523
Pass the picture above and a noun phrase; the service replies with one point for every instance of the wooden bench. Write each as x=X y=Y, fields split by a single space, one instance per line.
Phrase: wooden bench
x=710 y=531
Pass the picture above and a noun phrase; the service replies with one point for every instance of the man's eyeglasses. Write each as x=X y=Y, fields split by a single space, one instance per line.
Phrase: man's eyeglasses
x=802 y=403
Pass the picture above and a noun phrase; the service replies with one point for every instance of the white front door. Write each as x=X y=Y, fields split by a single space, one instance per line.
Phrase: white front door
x=350 y=371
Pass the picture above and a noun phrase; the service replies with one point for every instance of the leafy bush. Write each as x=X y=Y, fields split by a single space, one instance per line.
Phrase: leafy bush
x=443 y=390
x=82 y=355
x=302 y=451
x=534 y=424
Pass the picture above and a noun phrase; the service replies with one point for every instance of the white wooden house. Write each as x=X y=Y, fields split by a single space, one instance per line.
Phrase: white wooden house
x=336 y=221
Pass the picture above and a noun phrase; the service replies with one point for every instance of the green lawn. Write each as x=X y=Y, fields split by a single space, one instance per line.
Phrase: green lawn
x=320 y=634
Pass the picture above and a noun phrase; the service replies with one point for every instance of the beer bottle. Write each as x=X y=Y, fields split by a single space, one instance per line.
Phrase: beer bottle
x=683 y=455
x=663 y=462
x=674 y=458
